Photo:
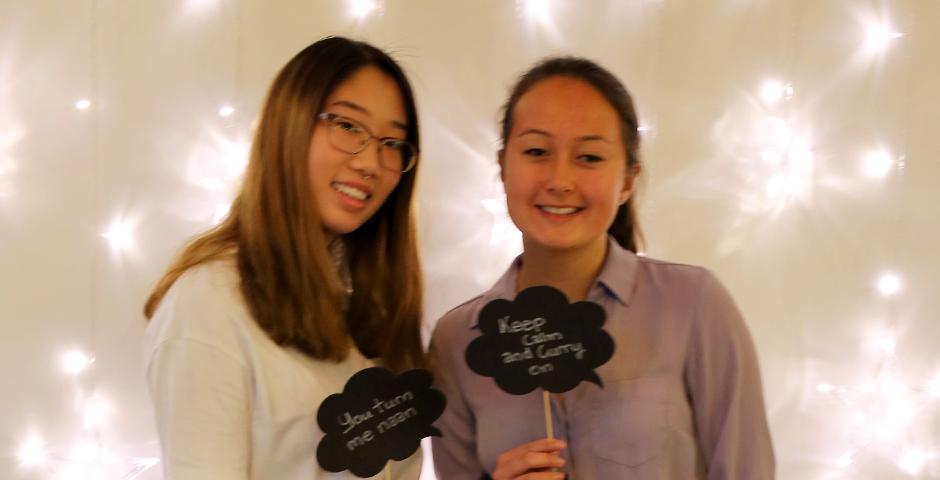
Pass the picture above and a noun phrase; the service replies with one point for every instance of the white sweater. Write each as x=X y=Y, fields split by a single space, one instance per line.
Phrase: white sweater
x=230 y=403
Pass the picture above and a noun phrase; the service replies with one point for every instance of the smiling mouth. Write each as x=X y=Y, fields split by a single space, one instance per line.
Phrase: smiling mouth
x=559 y=210
x=350 y=191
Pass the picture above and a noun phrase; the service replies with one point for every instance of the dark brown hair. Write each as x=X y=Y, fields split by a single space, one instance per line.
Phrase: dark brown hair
x=625 y=228
x=288 y=278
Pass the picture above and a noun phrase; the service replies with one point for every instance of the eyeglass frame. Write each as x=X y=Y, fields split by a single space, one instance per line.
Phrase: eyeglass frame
x=330 y=117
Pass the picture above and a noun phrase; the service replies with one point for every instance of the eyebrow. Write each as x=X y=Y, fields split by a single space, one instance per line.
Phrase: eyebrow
x=365 y=111
x=583 y=138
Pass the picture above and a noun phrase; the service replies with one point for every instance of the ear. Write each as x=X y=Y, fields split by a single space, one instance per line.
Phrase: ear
x=628 y=183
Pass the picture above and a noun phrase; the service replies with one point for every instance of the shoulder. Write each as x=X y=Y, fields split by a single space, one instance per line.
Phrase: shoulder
x=676 y=277
x=204 y=304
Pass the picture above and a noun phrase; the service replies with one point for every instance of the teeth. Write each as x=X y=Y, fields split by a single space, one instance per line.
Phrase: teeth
x=352 y=192
x=559 y=210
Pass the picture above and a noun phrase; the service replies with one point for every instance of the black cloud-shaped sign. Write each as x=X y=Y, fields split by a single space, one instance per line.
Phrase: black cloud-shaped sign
x=540 y=340
x=378 y=417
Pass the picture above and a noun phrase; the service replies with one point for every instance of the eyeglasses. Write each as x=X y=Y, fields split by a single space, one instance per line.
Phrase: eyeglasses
x=349 y=136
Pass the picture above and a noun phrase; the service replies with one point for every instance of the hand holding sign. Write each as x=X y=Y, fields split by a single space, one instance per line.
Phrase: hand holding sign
x=378 y=417
x=540 y=340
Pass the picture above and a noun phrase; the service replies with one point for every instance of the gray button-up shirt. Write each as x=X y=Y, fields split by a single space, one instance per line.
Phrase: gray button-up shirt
x=682 y=395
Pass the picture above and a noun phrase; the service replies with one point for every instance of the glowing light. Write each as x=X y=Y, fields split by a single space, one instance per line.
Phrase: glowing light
x=503 y=228
x=32 y=453
x=912 y=460
x=220 y=212
x=97 y=411
x=226 y=111
x=536 y=9
x=74 y=362
x=825 y=387
x=889 y=284
x=120 y=235
x=879 y=35
x=844 y=461
x=933 y=388
x=773 y=91
x=878 y=164
x=83 y=104
x=363 y=8
x=213 y=184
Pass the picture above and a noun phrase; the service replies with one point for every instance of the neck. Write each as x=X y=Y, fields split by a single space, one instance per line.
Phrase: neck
x=570 y=270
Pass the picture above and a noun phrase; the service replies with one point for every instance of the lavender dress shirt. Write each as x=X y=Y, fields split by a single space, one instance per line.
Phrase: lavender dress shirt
x=682 y=395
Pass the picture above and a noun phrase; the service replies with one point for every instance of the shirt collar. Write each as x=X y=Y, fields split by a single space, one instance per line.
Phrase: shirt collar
x=617 y=277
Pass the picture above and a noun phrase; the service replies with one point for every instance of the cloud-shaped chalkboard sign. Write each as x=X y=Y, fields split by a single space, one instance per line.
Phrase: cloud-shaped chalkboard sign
x=540 y=340
x=378 y=417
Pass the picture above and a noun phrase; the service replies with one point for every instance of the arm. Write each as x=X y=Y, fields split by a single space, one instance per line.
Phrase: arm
x=200 y=381
x=201 y=398
x=723 y=379
x=455 y=450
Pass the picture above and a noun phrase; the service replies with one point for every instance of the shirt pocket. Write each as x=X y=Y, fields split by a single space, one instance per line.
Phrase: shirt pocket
x=629 y=421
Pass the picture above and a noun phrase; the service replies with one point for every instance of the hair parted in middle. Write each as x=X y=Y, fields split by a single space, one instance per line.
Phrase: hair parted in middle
x=289 y=280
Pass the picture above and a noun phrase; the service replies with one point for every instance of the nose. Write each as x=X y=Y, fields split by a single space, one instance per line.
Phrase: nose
x=561 y=176
x=366 y=162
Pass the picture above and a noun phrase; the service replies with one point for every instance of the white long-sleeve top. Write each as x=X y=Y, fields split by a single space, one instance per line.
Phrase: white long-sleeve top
x=230 y=403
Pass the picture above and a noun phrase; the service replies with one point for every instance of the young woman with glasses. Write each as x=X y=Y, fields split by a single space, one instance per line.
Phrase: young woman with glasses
x=312 y=277
x=681 y=396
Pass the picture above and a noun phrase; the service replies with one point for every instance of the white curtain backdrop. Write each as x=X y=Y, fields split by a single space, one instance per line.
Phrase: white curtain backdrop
x=790 y=146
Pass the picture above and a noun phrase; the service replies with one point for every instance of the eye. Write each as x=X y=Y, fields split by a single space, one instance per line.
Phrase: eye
x=590 y=158
x=393 y=143
x=535 y=152
x=347 y=125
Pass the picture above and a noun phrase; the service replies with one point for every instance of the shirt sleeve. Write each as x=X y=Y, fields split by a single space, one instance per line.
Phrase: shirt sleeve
x=201 y=389
x=724 y=383
x=200 y=395
x=454 y=451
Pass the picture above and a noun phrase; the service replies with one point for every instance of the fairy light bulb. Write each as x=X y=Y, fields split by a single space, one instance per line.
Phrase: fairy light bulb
x=362 y=8
x=120 y=235
x=32 y=453
x=83 y=104
x=889 y=284
x=226 y=111
x=74 y=362
x=96 y=413
x=879 y=35
x=773 y=91
x=877 y=164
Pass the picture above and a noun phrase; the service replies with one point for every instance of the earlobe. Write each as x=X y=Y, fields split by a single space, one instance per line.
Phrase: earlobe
x=627 y=190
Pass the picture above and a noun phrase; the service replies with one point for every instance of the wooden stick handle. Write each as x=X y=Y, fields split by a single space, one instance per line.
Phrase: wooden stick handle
x=547 y=402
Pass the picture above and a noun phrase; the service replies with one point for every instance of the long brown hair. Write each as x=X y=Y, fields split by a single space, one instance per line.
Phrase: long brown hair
x=288 y=278
x=625 y=228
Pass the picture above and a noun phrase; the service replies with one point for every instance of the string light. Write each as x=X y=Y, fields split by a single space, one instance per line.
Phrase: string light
x=74 y=362
x=889 y=284
x=33 y=453
x=221 y=211
x=879 y=35
x=83 y=104
x=773 y=91
x=503 y=229
x=120 y=235
x=361 y=9
x=97 y=411
x=913 y=460
x=877 y=164
x=226 y=111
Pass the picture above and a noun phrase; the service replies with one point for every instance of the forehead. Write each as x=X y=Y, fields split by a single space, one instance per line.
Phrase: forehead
x=564 y=103
x=373 y=90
